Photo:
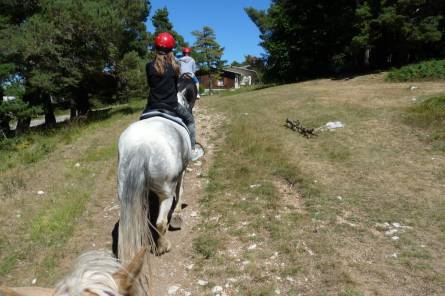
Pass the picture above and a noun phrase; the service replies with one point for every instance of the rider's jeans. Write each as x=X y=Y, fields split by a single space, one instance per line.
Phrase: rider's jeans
x=188 y=119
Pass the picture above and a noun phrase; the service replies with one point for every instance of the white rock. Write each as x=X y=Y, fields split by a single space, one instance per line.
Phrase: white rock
x=277 y=291
x=77 y=165
x=413 y=87
x=289 y=279
x=391 y=231
x=40 y=192
x=394 y=255
x=203 y=282
x=246 y=262
x=395 y=238
x=255 y=186
x=232 y=280
x=217 y=289
x=334 y=125
x=172 y=290
x=189 y=170
x=34 y=281
x=187 y=293
x=251 y=247
x=190 y=266
x=339 y=197
x=396 y=225
x=193 y=214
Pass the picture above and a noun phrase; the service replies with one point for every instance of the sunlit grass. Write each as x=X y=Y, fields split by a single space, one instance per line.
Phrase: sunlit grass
x=350 y=179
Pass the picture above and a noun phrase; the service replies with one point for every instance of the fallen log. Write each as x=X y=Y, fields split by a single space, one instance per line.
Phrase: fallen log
x=296 y=126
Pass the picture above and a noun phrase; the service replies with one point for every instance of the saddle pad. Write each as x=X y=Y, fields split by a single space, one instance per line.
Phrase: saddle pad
x=158 y=113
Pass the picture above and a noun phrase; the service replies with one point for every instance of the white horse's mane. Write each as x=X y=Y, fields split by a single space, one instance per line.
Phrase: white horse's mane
x=93 y=271
x=182 y=99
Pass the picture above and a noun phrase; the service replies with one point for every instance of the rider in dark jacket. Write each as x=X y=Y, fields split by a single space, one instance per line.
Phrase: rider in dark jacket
x=162 y=77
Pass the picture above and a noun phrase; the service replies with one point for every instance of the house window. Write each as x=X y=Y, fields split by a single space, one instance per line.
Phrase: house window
x=220 y=82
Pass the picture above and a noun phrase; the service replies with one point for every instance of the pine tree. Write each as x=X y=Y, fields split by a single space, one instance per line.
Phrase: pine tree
x=208 y=53
x=161 y=23
x=63 y=48
x=305 y=39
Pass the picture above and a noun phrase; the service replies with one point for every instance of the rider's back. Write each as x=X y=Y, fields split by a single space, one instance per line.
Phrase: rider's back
x=187 y=64
x=163 y=88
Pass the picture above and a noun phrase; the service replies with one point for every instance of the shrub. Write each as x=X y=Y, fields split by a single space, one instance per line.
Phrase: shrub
x=429 y=70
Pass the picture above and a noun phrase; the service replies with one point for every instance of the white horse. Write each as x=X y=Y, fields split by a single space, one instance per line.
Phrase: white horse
x=153 y=156
x=94 y=274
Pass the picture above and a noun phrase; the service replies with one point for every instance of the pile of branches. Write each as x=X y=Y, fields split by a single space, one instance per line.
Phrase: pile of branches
x=296 y=125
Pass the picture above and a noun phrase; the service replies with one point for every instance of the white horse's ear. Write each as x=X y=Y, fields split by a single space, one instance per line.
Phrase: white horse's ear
x=34 y=291
x=127 y=276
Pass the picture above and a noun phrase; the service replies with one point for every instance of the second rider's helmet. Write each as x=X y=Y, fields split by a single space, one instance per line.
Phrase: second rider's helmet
x=186 y=50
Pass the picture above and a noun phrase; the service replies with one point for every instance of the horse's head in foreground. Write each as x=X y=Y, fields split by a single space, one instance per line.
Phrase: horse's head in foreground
x=94 y=274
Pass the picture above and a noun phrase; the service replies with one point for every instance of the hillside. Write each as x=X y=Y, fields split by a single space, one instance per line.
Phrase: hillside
x=354 y=211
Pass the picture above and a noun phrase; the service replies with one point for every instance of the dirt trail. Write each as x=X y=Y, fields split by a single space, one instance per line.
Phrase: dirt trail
x=173 y=271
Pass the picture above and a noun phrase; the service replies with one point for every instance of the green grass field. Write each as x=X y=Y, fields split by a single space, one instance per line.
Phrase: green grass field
x=296 y=215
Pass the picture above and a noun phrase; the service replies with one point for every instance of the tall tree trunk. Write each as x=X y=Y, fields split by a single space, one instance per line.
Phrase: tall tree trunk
x=50 y=118
x=210 y=82
x=82 y=101
x=4 y=124
x=73 y=110
x=23 y=125
x=367 y=56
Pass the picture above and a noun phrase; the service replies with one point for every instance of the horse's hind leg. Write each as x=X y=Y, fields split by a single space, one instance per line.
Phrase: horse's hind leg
x=166 y=200
x=176 y=220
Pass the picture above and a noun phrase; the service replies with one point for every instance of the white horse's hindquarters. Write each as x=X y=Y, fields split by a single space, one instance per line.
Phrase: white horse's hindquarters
x=162 y=142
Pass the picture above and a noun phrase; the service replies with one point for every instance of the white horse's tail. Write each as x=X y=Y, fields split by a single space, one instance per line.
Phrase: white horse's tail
x=134 y=225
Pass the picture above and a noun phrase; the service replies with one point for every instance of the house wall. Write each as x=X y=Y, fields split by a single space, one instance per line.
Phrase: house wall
x=227 y=78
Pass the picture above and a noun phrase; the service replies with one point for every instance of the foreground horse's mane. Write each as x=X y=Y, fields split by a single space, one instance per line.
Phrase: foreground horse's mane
x=93 y=271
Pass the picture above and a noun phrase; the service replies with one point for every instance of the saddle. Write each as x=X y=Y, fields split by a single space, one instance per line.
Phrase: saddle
x=164 y=114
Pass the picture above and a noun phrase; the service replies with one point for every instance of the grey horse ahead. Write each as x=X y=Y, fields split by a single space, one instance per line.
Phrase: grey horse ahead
x=153 y=156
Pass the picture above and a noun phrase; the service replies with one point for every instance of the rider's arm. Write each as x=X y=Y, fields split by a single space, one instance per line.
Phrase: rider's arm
x=194 y=67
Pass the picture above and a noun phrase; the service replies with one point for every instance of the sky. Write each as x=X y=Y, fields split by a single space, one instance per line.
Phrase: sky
x=234 y=29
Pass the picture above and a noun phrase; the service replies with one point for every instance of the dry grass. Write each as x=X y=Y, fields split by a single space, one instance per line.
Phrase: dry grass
x=36 y=228
x=379 y=166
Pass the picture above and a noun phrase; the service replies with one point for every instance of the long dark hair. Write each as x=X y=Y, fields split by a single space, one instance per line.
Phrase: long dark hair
x=162 y=59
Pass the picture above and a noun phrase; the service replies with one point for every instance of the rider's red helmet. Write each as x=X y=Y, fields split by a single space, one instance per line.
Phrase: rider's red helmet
x=186 y=50
x=165 y=41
